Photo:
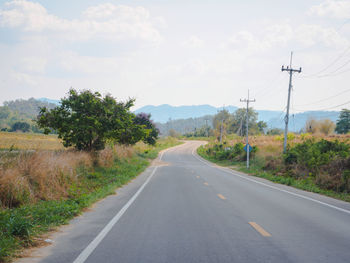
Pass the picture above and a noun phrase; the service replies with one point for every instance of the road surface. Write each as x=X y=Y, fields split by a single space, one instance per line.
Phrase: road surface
x=185 y=209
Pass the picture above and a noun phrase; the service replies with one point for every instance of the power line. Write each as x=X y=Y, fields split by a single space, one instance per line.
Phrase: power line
x=329 y=108
x=329 y=65
x=332 y=73
x=322 y=100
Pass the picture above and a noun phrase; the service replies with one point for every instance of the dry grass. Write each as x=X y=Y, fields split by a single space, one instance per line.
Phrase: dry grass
x=29 y=141
x=26 y=177
x=41 y=175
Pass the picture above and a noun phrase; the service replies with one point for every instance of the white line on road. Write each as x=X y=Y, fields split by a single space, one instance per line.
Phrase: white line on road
x=271 y=186
x=94 y=243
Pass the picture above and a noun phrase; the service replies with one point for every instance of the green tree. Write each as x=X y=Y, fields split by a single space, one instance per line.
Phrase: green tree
x=20 y=126
x=86 y=120
x=262 y=126
x=145 y=120
x=238 y=122
x=343 y=123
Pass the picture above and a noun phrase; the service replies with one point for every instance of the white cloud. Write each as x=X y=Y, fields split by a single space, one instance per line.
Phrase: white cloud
x=33 y=64
x=193 y=42
x=107 y=21
x=331 y=8
x=277 y=36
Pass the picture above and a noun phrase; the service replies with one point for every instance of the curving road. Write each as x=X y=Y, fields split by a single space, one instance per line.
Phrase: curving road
x=184 y=209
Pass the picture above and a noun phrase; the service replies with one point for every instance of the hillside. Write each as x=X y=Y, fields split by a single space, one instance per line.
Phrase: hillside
x=21 y=110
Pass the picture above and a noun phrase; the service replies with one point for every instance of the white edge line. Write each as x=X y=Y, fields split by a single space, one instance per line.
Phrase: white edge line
x=270 y=186
x=97 y=240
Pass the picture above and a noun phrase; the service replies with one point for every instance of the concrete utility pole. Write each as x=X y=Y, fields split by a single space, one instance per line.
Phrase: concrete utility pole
x=247 y=113
x=286 y=118
x=221 y=130
x=206 y=126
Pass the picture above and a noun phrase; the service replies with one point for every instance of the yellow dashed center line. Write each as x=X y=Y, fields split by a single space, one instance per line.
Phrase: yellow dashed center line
x=206 y=183
x=221 y=197
x=258 y=228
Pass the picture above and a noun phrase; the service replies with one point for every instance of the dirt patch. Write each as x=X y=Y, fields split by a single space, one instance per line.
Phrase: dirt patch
x=159 y=163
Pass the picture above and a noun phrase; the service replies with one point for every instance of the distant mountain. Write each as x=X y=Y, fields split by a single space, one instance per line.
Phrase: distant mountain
x=181 y=117
x=297 y=121
x=57 y=102
x=165 y=112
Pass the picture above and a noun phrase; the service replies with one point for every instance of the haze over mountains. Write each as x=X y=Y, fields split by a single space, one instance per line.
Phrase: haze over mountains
x=166 y=113
x=275 y=119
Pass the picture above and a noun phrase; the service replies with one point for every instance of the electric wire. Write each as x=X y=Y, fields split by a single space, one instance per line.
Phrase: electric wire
x=322 y=100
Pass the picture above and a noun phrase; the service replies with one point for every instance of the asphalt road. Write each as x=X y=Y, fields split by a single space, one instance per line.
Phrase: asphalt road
x=184 y=209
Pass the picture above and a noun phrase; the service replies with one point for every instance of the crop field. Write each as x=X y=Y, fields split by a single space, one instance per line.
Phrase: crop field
x=29 y=141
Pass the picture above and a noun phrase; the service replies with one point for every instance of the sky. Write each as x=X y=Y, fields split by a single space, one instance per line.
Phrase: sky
x=183 y=52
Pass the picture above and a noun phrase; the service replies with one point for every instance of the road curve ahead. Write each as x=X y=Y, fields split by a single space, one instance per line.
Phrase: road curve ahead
x=184 y=209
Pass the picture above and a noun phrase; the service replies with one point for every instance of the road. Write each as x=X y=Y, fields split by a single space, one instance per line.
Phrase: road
x=185 y=209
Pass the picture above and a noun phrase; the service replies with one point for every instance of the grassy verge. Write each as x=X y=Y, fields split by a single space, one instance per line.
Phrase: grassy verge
x=257 y=170
x=22 y=226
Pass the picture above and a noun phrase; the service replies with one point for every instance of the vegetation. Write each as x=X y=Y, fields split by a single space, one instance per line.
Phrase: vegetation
x=312 y=162
x=235 y=123
x=343 y=123
x=325 y=126
x=42 y=189
x=87 y=120
x=21 y=111
x=11 y=141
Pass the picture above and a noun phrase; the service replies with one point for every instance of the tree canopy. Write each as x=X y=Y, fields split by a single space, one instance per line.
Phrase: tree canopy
x=343 y=123
x=86 y=120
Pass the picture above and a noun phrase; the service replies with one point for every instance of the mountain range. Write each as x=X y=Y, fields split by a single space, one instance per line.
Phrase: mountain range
x=275 y=119
x=166 y=113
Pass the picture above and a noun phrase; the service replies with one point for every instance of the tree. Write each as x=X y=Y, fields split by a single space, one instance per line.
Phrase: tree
x=343 y=123
x=86 y=120
x=261 y=126
x=145 y=120
x=326 y=126
x=238 y=122
x=20 y=126
x=312 y=126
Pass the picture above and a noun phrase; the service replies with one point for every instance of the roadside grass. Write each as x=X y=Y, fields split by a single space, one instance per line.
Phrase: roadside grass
x=22 y=226
x=256 y=169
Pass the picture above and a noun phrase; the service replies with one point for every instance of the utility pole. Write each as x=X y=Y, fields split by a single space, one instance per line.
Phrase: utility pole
x=221 y=130
x=206 y=126
x=247 y=113
x=286 y=118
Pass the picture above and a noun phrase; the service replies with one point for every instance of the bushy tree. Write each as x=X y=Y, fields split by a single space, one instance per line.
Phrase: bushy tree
x=20 y=126
x=238 y=122
x=343 y=123
x=152 y=131
x=86 y=120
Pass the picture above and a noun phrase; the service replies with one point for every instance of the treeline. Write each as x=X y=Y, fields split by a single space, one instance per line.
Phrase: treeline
x=87 y=121
x=18 y=115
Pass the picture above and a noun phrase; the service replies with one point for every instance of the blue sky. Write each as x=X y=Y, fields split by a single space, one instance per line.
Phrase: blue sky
x=178 y=52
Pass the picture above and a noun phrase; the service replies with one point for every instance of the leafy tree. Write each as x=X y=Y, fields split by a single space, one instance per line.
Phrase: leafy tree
x=153 y=132
x=261 y=126
x=20 y=126
x=238 y=122
x=86 y=120
x=343 y=123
